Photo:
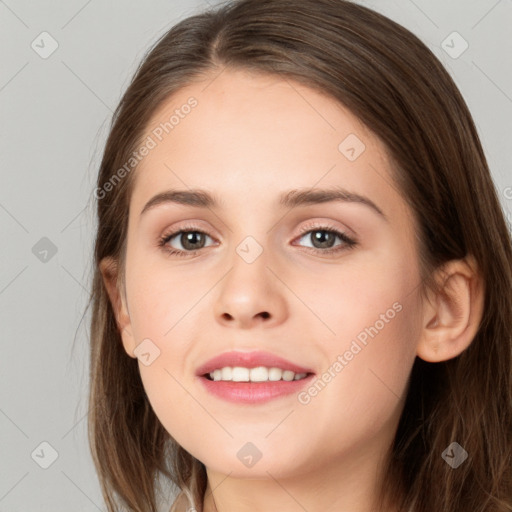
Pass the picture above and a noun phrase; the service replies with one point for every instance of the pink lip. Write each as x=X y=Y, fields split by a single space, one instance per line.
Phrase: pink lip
x=253 y=392
x=249 y=360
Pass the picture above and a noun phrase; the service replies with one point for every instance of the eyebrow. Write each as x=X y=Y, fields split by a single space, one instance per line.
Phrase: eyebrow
x=290 y=199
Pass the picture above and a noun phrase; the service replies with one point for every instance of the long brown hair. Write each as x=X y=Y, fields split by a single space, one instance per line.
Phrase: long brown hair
x=389 y=79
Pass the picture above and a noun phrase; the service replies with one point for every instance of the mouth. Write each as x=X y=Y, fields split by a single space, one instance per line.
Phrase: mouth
x=241 y=389
x=252 y=377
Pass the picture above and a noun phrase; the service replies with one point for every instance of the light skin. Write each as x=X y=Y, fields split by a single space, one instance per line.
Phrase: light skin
x=250 y=139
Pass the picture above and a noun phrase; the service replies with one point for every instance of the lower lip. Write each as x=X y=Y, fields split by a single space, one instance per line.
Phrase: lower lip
x=253 y=392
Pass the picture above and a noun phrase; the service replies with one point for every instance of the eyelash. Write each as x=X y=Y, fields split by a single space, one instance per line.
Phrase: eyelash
x=349 y=242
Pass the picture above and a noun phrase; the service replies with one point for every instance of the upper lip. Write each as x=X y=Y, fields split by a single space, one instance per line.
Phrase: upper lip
x=249 y=360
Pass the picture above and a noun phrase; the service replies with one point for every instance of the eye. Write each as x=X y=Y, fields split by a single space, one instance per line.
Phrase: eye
x=190 y=239
x=324 y=237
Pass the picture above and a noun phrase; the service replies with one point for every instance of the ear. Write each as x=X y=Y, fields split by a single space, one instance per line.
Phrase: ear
x=452 y=317
x=110 y=273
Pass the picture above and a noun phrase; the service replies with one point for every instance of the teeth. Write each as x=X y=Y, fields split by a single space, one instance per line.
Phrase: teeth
x=259 y=374
x=226 y=373
x=240 y=374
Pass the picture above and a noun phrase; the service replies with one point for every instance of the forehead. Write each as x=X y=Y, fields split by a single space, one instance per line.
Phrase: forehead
x=236 y=105
x=253 y=135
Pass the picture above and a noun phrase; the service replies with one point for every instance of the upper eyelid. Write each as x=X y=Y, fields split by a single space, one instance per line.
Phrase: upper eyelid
x=303 y=231
x=317 y=224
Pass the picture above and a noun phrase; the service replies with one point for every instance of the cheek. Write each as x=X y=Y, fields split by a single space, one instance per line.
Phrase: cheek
x=163 y=319
x=360 y=396
x=374 y=312
x=378 y=355
x=161 y=297
x=362 y=292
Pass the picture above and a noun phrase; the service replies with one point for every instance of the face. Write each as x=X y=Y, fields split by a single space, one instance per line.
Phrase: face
x=329 y=285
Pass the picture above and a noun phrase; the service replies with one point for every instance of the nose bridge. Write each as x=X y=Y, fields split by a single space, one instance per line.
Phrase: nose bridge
x=249 y=273
x=249 y=292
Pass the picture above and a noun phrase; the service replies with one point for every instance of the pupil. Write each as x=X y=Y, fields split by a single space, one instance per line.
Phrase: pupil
x=325 y=238
x=188 y=239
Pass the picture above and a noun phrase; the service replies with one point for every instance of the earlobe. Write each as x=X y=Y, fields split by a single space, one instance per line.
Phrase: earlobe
x=109 y=271
x=452 y=317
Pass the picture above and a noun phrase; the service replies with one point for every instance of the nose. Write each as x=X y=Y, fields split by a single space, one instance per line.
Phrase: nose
x=250 y=295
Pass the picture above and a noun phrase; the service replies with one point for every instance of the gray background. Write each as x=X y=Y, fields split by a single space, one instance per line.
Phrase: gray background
x=54 y=114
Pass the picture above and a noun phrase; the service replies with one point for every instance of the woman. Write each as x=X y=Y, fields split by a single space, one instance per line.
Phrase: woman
x=368 y=370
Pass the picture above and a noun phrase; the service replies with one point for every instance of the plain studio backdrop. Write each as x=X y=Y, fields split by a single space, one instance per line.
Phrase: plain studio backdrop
x=64 y=66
